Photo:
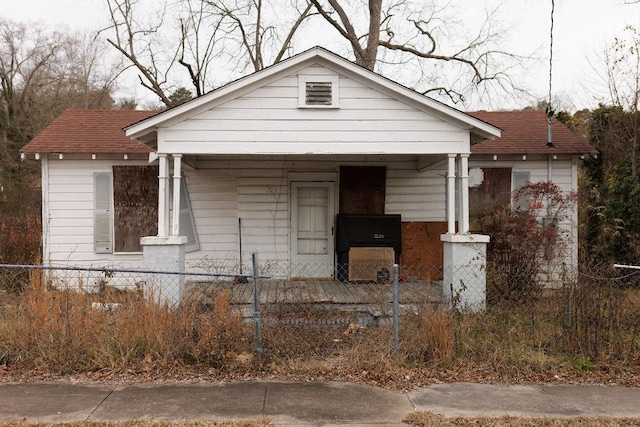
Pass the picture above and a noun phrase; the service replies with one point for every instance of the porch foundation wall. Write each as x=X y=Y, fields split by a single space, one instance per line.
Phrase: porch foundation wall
x=165 y=254
x=464 y=270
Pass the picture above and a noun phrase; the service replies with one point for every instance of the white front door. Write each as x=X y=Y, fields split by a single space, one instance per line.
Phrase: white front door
x=312 y=217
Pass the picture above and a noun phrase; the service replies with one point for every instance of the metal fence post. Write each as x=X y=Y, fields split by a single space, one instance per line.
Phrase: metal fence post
x=453 y=308
x=396 y=338
x=256 y=309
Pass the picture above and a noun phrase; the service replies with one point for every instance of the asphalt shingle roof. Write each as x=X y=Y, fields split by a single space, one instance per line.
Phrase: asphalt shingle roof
x=89 y=131
x=525 y=132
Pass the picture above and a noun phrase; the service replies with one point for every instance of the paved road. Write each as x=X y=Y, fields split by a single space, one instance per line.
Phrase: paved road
x=297 y=403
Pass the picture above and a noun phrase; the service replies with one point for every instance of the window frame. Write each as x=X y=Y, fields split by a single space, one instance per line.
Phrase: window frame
x=152 y=179
x=517 y=182
x=104 y=209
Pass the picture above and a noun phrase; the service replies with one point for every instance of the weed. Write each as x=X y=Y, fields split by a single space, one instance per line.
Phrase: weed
x=424 y=419
x=581 y=364
x=62 y=331
x=580 y=329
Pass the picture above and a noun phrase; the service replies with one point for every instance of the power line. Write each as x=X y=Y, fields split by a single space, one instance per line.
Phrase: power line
x=549 y=109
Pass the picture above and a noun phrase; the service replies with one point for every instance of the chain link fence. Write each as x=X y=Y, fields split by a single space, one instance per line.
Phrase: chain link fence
x=92 y=317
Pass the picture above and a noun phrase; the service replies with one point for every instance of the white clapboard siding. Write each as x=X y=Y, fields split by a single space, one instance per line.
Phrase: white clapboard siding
x=77 y=231
x=221 y=191
x=263 y=206
x=268 y=119
x=69 y=214
x=417 y=196
x=214 y=203
x=561 y=170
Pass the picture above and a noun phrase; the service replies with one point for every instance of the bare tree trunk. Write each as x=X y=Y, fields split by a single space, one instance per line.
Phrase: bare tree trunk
x=373 y=38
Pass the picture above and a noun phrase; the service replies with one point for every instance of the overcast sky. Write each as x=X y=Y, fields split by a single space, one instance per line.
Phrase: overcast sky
x=582 y=30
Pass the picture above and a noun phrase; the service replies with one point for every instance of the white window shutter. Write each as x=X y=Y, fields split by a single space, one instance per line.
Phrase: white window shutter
x=103 y=213
x=187 y=222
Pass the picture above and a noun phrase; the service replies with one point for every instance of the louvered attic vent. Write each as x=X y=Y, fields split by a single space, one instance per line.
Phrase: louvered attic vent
x=318 y=93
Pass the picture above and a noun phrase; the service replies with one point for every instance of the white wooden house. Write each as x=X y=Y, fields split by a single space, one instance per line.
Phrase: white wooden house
x=266 y=163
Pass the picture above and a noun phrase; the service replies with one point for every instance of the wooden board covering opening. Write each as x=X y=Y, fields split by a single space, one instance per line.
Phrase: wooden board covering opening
x=371 y=264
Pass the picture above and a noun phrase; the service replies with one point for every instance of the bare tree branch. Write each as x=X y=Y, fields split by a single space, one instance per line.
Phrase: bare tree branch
x=453 y=95
x=422 y=40
x=296 y=25
x=261 y=35
x=150 y=81
x=200 y=47
x=346 y=29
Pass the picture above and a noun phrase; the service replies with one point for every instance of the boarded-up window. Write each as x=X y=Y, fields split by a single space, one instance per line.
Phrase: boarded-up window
x=362 y=189
x=490 y=190
x=135 y=202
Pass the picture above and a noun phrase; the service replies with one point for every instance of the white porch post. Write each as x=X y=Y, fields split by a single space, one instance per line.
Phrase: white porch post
x=464 y=278
x=175 y=223
x=163 y=194
x=166 y=251
x=463 y=208
x=451 y=194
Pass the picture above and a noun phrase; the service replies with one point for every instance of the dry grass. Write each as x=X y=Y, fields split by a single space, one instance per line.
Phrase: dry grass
x=428 y=419
x=57 y=331
x=60 y=331
x=433 y=339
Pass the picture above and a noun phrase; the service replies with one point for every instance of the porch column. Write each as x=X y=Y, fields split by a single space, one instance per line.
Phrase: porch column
x=165 y=253
x=175 y=223
x=464 y=282
x=464 y=278
x=163 y=194
x=451 y=194
x=463 y=207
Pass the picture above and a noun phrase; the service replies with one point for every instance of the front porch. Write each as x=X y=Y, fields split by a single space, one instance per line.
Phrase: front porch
x=348 y=301
x=268 y=172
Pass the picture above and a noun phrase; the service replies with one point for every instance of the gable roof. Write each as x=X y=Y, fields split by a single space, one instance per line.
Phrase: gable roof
x=90 y=131
x=330 y=60
x=525 y=132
